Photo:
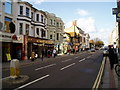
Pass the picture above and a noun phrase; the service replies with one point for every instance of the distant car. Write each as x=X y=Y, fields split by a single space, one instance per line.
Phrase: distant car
x=92 y=50
x=105 y=53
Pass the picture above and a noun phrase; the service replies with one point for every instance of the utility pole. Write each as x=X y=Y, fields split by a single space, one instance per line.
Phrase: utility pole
x=118 y=9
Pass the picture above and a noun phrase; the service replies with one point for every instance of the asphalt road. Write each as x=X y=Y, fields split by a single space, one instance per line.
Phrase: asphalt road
x=74 y=71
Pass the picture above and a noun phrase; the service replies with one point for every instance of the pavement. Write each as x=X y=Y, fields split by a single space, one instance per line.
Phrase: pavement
x=110 y=80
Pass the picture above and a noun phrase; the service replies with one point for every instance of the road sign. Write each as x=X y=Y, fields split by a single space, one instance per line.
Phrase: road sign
x=114 y=11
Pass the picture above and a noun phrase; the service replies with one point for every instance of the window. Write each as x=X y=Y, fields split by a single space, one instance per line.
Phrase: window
x=43 y=33
x=57 y=36
x=8 y=6
x=21 y=10
x=37 y=31
x=27 y=29
x=51 y=21
x=21 y=28
x=42 y=18
x=54 y=22
x=32 y=15
x=7 y=22
x=27 y=12
x=57 y=24
x=50 y=36
x=37 y=17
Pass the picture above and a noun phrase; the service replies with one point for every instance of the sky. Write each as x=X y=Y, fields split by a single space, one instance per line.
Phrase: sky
x=94 y=17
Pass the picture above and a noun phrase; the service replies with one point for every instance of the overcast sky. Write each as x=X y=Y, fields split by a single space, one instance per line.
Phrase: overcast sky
x=93 y=17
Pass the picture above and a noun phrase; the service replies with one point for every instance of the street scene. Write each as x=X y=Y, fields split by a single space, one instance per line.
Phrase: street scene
x=63 y=44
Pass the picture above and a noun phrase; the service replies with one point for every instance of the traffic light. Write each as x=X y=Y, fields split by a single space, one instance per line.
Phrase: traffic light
x=12 y=27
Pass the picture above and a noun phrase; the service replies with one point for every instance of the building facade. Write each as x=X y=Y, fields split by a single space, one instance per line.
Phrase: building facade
x=26 y=30
x=55 y=28
x=79 y=40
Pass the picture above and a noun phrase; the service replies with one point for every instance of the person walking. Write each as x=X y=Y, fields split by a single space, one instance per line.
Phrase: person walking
x=54 y=52
x=111 y=56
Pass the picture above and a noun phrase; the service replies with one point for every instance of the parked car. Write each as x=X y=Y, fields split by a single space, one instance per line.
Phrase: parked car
x=92 y=50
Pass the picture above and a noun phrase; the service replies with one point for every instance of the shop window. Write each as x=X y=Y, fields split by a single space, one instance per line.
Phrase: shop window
x=21 y=10
x=8 y=6
x=27 y=12
x=43 y=33
x=27 y=29
x=7 y=22
x=21 y=28
x=37 y=17
x=37 y=31
x=42 y=18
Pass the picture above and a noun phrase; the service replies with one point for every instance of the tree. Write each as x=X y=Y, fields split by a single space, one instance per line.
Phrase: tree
x=98 y=42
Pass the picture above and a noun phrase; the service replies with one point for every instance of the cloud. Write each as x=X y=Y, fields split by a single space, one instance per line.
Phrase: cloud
x=82 y=12
x=87 y=24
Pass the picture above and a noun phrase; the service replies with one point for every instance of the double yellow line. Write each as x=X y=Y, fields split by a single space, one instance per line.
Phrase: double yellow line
x=99 y=76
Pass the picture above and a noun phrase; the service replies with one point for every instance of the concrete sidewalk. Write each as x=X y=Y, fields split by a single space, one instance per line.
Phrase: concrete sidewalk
x=110 y=79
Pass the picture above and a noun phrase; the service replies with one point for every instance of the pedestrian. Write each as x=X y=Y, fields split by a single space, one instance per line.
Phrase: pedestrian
x=42 y=54
x=48 y=53
x=54 y=52
x=111 y=56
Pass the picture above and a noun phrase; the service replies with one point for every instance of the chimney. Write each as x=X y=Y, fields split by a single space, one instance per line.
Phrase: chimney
x=75 y=23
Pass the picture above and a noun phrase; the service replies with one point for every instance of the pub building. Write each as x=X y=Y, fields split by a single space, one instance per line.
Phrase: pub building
x=38 y=45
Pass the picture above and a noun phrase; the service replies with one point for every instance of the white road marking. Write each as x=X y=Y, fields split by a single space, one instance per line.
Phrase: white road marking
x=82 y=60
x=88 y=56
x=32 y=82
x=66 y=60
x=76 y=57
x=45 y=67
x=67 y=66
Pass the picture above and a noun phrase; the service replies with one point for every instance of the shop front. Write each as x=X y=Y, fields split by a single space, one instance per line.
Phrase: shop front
x=11 y=46
x=38 y=45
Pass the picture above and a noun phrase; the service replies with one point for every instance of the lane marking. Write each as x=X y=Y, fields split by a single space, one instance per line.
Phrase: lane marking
x=76 y=57
x=32 y=82
x=45 y=67
x=88 y=56
x=67 y=66
x=82 y=60
x=67 y=60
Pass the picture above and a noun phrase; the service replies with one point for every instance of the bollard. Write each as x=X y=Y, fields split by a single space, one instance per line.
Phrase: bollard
x=14 y=69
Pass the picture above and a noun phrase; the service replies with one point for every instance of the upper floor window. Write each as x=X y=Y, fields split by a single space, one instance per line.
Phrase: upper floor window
x=21 y=28
x=37 y=31
x=8 y=6
x=43 y=33
x=21 y=10
x=32 y=15
x=27 y=12
x=7 y=22
x=57 y=24
x=50 y=36
x=37 y=17
x=42 y=18
x=57 y=36
x=54 y=22
x=27 y=29
x=51 y=21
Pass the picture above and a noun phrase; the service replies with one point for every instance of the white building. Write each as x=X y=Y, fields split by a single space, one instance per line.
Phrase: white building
x=32 y=29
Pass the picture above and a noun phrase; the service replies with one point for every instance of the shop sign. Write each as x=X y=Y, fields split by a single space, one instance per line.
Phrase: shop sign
x=17 y=38
x=5 y=37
